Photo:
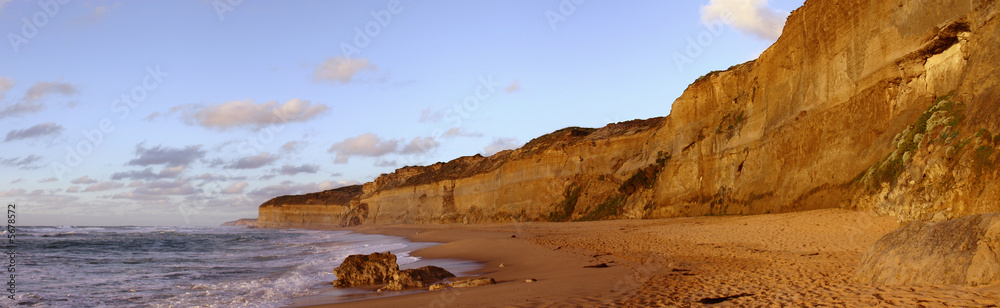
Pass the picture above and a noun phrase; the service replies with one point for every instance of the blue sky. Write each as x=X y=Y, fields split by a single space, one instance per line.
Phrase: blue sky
x=195 y=112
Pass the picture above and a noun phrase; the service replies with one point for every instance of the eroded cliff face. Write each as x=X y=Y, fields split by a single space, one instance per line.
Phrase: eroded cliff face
x=817 y=121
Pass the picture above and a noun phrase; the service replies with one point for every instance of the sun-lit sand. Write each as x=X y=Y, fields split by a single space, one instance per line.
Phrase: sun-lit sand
x=794 y=259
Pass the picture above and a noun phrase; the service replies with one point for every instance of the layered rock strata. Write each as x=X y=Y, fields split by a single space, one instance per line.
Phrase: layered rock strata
x=881 y=105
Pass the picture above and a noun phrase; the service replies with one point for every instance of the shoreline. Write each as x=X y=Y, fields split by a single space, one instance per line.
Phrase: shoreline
x=802 y=258
x=559 y=274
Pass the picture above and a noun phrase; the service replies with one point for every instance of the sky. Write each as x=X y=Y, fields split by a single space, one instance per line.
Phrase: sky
x=195 y=112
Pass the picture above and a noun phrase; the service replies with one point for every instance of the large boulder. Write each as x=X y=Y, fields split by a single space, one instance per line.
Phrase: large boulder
x=362 y=270
x=963 y=251
x=416 y=278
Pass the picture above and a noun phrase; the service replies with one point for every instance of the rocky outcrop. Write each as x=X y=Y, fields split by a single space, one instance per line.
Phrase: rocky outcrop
x=381 y=268
x=326 y=208
x=245 y=222
x=963 y=251
x=363 y=270
x=416 y=278
x=467 y=283
x=878 y=105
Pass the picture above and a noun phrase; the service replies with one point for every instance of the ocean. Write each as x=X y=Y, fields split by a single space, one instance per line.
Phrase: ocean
x=68 y=266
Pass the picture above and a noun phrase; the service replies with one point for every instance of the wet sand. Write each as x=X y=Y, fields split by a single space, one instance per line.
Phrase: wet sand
x=793 y=259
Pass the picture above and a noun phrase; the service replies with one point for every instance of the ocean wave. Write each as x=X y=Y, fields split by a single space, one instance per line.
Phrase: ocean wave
x=184 y=267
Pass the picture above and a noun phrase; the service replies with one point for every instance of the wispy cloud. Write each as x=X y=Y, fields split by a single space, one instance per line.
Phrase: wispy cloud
x=160 y=155
x=420 y=145
x=340 y=69
x=246 y=113
x=236 y=188
x=102 y=186
x=253 y=162
x=292 y=146
x=429 y=116
x=148 y=174
x=83 y=180
x=459 y=132
x=5 y=83
x=23 y=163
x=500 y=144
x=40 y=130
x=370 y=145
x=40 y=90
x=95 y=15
x=161 y=188
x=33 y=98
x=513 y=87
x=367 y=145
x=293 y=170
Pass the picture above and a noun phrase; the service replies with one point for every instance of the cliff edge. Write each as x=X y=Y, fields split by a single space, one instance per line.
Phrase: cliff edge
x=877 y=105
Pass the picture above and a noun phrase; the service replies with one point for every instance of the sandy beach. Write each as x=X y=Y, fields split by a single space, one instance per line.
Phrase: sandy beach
x=793 y=259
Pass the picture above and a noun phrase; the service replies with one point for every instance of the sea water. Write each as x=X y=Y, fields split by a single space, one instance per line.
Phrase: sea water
x=183 y=266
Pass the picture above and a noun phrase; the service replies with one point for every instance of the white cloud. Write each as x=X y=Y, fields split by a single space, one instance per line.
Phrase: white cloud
x=236 y=188
x=752 y=17
x=245 y=113
x=340 y=69
x=368 y=145
x=500 y=144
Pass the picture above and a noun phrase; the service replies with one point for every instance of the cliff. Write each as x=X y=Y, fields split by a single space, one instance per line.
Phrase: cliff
x=243 y=222
x=888 y=106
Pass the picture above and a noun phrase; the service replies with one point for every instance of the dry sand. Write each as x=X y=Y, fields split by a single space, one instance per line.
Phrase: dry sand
x=778 y=260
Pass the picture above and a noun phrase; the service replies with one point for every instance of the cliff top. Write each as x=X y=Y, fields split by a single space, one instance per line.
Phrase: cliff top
x=340 y=196
x=467 y=166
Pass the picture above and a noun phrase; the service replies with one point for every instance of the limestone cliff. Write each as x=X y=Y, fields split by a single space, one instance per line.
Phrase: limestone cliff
x=243 y=222
x=857 y=105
